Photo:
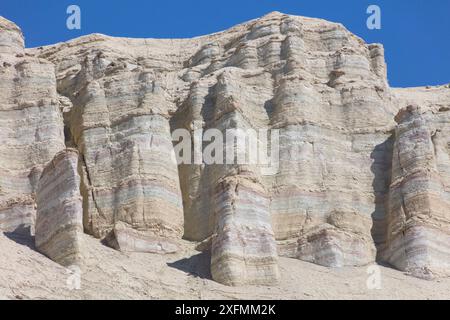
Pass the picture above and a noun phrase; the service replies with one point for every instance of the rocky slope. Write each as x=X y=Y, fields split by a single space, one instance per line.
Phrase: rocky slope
x=357 y=180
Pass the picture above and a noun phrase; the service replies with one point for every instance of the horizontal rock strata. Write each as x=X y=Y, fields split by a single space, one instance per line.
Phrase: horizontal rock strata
x=419 y=200
x=59 y=218
x=343 y=240
x=129 y=167
x=243 y=247
x=127 y=239
x=328 y=198
x=31 y=127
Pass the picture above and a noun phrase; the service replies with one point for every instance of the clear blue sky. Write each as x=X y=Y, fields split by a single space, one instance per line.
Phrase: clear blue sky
x=415 y=33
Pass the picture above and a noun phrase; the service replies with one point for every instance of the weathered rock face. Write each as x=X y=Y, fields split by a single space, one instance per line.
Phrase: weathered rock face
x=419 y=201
x=11 y=38
x=130 y=172
x=128 y=239
x=243 y=246
x=59 y=218
x=31 y=126
x=330 y=200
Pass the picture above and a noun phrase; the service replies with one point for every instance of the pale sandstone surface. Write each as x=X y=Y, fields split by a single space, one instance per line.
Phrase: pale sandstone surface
x=59 y=216
x=31 y=127
x=418 y=220
x=320 y=85
x=127 y=239
x=279 y=72
x=243 y=250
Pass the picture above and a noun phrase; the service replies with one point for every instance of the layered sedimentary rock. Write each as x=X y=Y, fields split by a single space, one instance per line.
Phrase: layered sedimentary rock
x=243 y=247
x=286 y=73
x=328 y=198
x=119 y=123
x=31 y=126
x=127 y=239
x=418 y=218
x=59 y=218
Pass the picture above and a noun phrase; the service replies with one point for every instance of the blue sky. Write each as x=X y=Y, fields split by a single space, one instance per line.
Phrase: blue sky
x=415 y=33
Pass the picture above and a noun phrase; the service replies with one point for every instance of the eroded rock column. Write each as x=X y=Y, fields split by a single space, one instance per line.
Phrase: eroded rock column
x=243 y=248
x=31 y=127
x=59 y=219
x=419 y=206
x=130 y=183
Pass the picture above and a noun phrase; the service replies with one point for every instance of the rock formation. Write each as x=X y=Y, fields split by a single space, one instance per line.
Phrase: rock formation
x=129 y=170
x=59 y=218
x=243 y=246
x=418 y=221
x=330 y=201
x=127 y=239
x=31 y=126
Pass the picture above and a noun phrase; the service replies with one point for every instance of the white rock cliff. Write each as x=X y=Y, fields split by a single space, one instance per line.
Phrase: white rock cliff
x=353 y=186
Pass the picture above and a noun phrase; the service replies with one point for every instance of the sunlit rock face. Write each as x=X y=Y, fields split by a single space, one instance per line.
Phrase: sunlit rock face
x=59 y=216
x=31 y=127
x=330 y=199
x=243 y=249
x=418 y=218
x=119 y=123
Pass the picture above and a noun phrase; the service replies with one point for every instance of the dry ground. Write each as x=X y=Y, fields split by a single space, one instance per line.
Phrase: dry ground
x=108 y=274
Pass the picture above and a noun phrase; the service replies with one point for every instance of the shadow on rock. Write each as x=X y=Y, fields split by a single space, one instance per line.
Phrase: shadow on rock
x=381 y=169
x=197 y=265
